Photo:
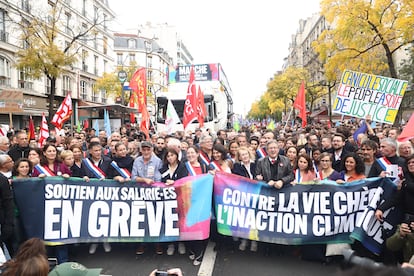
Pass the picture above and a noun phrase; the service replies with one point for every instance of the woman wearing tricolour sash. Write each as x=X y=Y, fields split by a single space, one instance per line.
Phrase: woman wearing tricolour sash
x=96 y=166
x=50 y=165
x=195 y=167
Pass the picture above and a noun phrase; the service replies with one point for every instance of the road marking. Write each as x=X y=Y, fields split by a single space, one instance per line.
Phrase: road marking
x=209 y=258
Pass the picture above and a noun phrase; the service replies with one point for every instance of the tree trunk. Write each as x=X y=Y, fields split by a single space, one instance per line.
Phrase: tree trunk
x=52 y=101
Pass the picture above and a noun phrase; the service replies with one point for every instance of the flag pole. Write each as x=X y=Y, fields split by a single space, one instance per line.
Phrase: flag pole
x=288 y=119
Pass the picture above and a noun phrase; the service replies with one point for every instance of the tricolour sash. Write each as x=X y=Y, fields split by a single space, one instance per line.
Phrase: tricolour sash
x=318 y=174
x=216 y=166
x=94 y=169
x=190 y=168
x=298 y=177
x=261 y=152
x=122 y=171
x=384 y=163
x=44 y=170
x=204 y=158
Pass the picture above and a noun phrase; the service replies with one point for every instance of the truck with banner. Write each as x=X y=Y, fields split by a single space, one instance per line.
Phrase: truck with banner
x=212 y=81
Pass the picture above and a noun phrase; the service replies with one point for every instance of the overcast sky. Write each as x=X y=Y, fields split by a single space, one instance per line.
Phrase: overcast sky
x=249 y=38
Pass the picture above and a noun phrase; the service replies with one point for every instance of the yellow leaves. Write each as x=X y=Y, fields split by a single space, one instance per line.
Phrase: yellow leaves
x=364 y=34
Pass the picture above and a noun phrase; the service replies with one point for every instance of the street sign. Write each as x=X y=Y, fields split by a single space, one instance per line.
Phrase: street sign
x=122 y=76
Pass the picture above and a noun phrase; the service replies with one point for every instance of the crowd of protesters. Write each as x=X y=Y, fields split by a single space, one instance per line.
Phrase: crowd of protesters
x=283 y=156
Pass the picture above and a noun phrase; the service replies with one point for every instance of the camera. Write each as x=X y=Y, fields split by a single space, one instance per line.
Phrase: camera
x=161 y=273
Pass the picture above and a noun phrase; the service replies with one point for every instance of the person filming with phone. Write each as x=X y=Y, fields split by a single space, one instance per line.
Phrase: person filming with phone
x=403 y=238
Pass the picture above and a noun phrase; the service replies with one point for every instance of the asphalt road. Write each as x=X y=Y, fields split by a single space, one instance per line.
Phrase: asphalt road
x=222 y=258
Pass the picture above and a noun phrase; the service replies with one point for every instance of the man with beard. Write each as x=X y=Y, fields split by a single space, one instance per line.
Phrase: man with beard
x=338 y=144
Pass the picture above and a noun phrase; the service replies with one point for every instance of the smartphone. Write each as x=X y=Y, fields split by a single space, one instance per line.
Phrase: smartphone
x=161 y=273
x=408 y=218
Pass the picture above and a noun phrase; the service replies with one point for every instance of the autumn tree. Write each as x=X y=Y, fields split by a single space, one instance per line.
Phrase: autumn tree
x=364 y=35
x=43 y=53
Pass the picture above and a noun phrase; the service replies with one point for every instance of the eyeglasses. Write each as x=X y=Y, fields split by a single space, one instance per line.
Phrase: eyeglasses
x=325 y=160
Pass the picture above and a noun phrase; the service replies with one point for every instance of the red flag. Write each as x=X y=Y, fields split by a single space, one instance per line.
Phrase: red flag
x=86 y=124
x=32 y=134
x=63 y=113
x=132 y=105
x=44 y=131
x=138 y=84
x=408 y=131
x=190 y=104
x=300 y=103
x=145 y=126
x=201 y=107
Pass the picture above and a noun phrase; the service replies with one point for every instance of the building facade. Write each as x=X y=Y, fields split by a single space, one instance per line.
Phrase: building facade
x=93 y=51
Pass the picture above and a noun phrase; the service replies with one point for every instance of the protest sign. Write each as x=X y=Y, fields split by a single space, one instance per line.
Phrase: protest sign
x=360 y=94
x=70 y=210
x=303 y=214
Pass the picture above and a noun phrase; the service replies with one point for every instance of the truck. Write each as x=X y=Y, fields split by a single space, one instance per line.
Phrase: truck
x=217 y=97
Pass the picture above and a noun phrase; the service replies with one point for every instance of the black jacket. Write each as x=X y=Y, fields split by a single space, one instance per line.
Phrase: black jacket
x=240 y=169
x=6 y=209
x=104 y=165
x=123 y=162
x=18 y=152
x=180 y=172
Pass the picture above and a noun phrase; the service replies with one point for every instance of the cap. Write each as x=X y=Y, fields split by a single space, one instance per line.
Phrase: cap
x=74 y=269
x=146 y=144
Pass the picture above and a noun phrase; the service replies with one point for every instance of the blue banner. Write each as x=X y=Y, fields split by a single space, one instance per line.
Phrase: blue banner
x=303 y=214
x=70 y=210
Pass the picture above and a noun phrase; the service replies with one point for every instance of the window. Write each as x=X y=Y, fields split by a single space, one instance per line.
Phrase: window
x=95 y=94
x=105 y=45
x=25 y=6
x=84 y=64
x=23 y=80
x=132 y=44
x=84 y=7
x=95 y=65
x=103 y=96
x=48 y=86
x=119 y=59
x=105 y=67
x=95 y=41
x=131 y=58
x=4 y=72
x=83 y=93
x=67 y=23
x=95 y=12
x=84 y=28
x=3 y=34
x=66 y=84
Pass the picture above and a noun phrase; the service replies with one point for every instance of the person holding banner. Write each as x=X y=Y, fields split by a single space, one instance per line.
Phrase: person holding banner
x=326 y=171
x=146 y=169
x=246 y=167
x=195 y=167
x=354 y=168
x=304 y=173
x=96 y=166
x=389 y=165
x=206 y=149
x=121 y=165
x=77 y=158
x=274 y=169
x=172 y=170
x=50 y=164
x=220 y=161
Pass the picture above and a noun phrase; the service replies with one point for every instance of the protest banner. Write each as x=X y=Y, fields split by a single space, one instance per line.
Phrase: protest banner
x=360 y=94
x=303 y=214
x=70 y=210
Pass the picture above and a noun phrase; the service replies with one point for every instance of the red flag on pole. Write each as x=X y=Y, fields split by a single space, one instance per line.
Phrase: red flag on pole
x=145 y=126
x=44 y=131
x=32 y=134
x=190 y=104
x=201 y=107
x=132 y=105
x=408 y=131
x=138 y=84
x=300 y=103
x=63 y=113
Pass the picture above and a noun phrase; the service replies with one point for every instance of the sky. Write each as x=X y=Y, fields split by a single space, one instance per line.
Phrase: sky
x=249 y=38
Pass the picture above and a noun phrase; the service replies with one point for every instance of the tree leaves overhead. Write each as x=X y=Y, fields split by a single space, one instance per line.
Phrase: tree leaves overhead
x=364 y=35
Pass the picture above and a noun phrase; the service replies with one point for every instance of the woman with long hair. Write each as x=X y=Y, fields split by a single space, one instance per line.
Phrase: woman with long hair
x=22 y=168
x=50 y=164
x=195 y=167
x=220 y=161
x=292 y=154
x=304 y=173
x=232 y=152
x=245 y=167
x=172 y=170
x=354 y=168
